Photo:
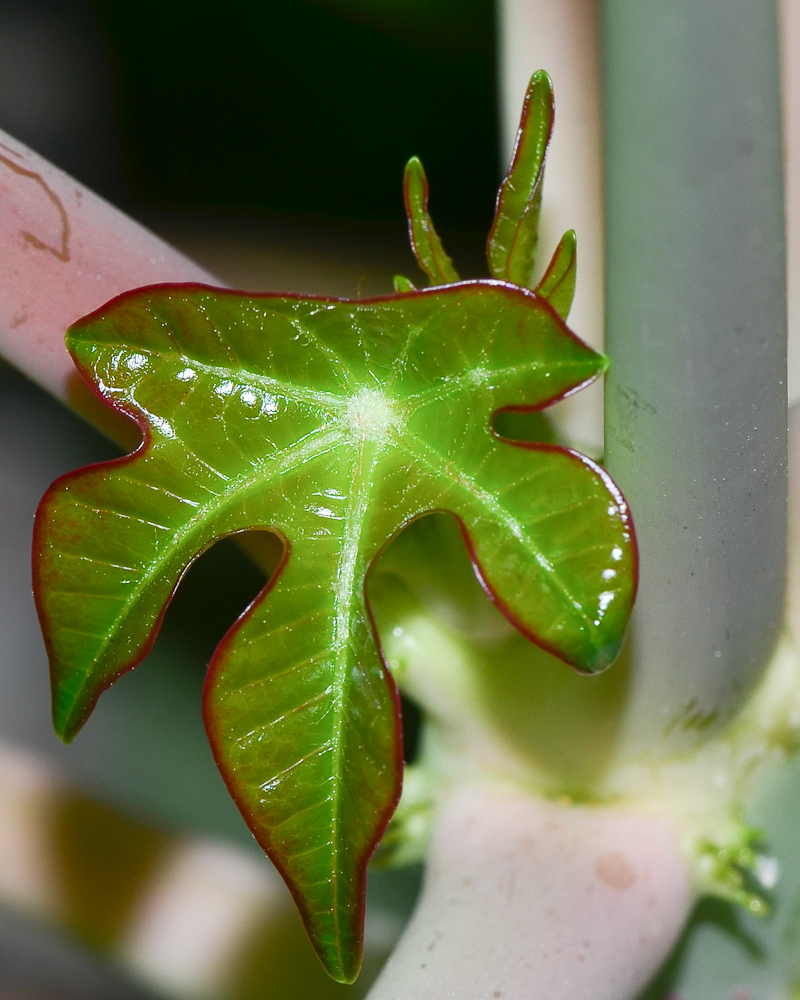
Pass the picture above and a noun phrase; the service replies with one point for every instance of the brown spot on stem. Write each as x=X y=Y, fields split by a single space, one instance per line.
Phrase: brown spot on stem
x=60 y=252
x=18 y=319
x=615 y=870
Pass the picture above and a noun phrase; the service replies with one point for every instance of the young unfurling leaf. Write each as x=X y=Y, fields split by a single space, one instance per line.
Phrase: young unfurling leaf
x=333 y=423
x=558 y=281
x=425 y=241
x=514 y=236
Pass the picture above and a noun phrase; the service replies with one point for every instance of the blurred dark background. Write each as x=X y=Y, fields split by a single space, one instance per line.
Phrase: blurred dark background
x=291 y=118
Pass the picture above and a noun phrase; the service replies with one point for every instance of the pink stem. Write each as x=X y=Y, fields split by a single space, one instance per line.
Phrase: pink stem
x=525 y=898
x=63 y=253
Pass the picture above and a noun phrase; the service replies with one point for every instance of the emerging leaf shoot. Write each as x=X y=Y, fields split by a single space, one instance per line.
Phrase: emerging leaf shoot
x=425 y=241
x=333 y=423
x=402 y=284
x=511 y=247
x=558 y=281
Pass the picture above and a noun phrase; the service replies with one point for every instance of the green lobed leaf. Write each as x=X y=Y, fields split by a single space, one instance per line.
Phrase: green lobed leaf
x=425 y=241
x=333 y=423
x=558 y=281
x=511 y=247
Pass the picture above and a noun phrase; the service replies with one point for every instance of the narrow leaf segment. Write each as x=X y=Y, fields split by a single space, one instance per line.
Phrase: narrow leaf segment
x=332 y=423
x=425 y=241
x=514 y=235
x=558 y=281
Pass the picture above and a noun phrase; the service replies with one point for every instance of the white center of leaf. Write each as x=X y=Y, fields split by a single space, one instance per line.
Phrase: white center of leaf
x=369 y=414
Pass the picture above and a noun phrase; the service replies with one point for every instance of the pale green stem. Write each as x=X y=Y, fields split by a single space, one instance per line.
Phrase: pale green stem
x=695 y=327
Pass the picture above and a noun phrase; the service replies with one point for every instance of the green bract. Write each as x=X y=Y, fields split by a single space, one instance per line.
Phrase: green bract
x=333 y=423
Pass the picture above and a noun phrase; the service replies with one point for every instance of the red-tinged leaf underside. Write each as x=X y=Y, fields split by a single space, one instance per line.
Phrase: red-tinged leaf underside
x=334 y=423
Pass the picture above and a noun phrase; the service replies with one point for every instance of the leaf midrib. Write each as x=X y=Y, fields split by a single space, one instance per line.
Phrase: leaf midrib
x=336 y=403
x=346 y=589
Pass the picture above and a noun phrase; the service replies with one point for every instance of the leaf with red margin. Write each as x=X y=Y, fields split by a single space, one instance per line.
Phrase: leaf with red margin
x=333 y=423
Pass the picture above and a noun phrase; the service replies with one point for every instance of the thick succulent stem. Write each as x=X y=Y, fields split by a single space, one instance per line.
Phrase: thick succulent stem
x=525 y=898
x=790 y=73
x=695 y=328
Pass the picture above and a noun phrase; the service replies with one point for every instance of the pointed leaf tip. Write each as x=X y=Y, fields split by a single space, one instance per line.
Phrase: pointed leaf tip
x=511 y=247
x=425 y=241
x=66 y=724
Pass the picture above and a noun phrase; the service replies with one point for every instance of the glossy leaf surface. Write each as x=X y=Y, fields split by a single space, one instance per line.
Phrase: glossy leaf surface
x=333 y=423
